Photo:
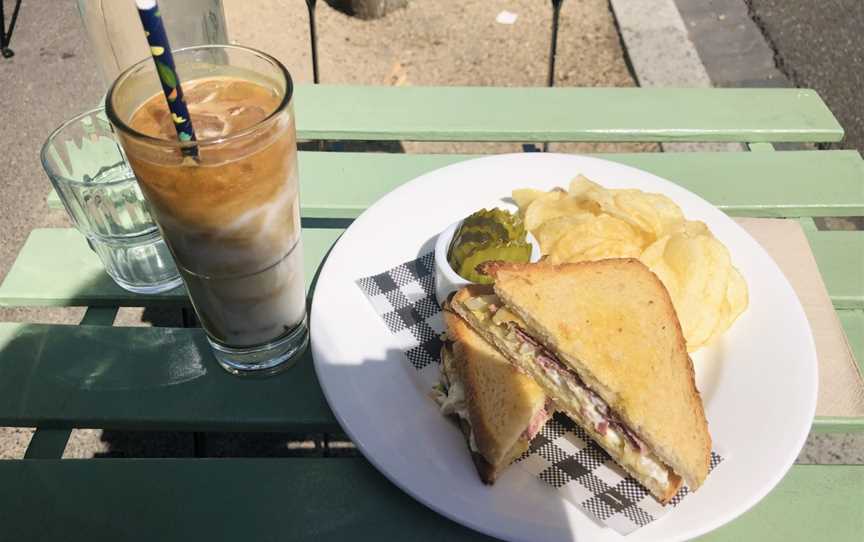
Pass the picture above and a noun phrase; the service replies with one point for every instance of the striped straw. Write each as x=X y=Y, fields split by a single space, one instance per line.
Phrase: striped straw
x=160 y=49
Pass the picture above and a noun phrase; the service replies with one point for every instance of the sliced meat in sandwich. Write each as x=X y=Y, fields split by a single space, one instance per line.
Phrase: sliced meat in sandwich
x=603 y=342
x=499 y=409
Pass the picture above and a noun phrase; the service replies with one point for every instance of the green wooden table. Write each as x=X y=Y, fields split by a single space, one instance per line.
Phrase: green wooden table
x=93 y=375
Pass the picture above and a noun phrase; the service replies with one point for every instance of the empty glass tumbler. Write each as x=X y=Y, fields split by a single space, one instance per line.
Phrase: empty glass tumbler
x=90 y=173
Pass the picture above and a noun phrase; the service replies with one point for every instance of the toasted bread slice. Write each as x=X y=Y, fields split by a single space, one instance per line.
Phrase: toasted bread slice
x=503 y=405
x=612 y=321
x=658 y=478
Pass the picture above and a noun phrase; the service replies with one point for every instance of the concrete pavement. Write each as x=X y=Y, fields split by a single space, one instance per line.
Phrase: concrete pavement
x=821 y=45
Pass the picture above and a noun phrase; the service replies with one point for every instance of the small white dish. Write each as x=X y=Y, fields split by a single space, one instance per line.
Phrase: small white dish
x=447 y=280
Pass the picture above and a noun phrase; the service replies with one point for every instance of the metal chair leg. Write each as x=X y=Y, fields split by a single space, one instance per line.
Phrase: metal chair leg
x=553 y=48
x=6 y=35
x=313 y=38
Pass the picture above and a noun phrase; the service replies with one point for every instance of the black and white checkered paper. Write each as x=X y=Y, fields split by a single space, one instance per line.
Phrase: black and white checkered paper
x=561 y=455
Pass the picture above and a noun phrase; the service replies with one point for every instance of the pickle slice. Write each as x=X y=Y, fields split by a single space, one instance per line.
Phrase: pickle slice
x=488 y=234
x=509 y=252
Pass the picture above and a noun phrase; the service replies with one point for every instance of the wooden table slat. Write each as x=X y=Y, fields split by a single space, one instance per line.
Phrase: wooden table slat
x=329 y=499
x=148 y=379
x=781 y=184
x=50 y=376
x=47 y=443
x=840 y=255
x=57 y=268
x=563 y=114
x=853 y=324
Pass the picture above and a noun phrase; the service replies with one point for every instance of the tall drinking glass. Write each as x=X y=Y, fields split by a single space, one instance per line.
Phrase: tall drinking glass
x=87 y=167
x=227 y=204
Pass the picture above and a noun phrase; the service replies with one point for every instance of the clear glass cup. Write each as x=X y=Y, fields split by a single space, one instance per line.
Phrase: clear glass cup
x=90 y=173
x=117 y=40
x=229 y=209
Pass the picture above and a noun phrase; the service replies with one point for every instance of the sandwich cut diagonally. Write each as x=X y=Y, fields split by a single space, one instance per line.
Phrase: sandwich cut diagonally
x=604 y=343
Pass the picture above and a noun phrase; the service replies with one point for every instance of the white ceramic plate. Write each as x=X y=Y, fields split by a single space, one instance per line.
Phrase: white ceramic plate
x=758 y=381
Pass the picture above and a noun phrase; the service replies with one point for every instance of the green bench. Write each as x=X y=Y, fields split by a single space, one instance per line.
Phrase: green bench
x=165 y=378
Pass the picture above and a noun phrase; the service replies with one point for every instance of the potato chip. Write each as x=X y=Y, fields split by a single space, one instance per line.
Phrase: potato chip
x=696 y=227
x=721 y=326
x=594 y=197
x=550 y=206
x=551 y=231
x=653 y=257
x=701 y=264
x=600 y=237
x=736 y=293
x=524 y=196
x=655 y=214
x=590 y=222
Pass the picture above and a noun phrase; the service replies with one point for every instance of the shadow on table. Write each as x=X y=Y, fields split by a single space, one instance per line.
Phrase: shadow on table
x=220 y=444
x=351 y=146
x=387 y=405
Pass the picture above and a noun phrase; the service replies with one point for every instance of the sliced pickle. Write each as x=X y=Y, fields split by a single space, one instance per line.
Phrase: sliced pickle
x=509 y=252
x=487 y=235
x=496 y=222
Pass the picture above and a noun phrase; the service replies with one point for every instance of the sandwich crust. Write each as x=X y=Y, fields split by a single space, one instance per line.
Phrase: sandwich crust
x=613 y=322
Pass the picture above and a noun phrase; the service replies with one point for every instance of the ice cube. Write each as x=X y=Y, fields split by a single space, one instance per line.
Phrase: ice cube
x=241 y=117
x=208 y=124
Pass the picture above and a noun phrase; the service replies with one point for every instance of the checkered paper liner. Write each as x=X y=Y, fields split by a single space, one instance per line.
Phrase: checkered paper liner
x=561 y=455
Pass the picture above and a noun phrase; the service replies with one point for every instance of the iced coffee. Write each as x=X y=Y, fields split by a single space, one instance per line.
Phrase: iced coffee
x=229 y=211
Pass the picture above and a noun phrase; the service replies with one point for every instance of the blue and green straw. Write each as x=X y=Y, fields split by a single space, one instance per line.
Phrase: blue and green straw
x=154 y=29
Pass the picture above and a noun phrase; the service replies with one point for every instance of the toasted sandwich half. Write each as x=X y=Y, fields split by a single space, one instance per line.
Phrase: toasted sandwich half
x=603 y=342
x=499 y=409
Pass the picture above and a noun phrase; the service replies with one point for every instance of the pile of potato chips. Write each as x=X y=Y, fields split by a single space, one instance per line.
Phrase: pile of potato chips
x=590 y=222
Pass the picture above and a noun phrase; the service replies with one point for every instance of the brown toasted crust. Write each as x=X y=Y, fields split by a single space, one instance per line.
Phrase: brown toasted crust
x=487 y=472
x=501 y=402
x=614 y=323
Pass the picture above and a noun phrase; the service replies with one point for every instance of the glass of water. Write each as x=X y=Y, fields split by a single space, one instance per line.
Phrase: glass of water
x=90 y=173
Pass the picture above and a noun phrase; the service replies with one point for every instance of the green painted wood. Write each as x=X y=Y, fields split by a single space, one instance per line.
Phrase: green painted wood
x=761 y=147
x=813 y=502
x=853 y=325
x=835 y=424
x=172 y=500
x=57 y=267
x=744 y=184
x=328 y=499
x=175 y=382
x=563 y=114
x=808 y=224
x=780 y=184
x=145 y=378
x=47 y=443
x=99 y=316
x=840 y=255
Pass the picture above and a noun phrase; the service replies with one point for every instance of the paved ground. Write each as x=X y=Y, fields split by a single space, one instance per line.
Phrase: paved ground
x=821 y=45
x=730 y=43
